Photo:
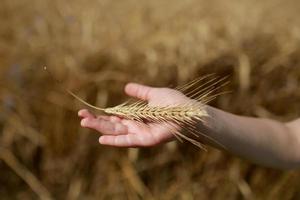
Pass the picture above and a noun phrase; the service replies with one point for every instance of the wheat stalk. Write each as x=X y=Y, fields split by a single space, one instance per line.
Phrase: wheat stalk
x=183 y=116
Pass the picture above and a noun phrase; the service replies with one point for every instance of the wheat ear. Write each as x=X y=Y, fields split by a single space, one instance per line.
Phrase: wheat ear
x=183 y=116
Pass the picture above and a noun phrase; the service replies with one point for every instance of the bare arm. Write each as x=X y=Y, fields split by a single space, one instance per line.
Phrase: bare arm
x=264 y=141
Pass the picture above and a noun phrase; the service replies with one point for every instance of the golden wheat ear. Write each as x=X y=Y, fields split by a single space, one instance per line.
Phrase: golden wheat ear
x=184 y=117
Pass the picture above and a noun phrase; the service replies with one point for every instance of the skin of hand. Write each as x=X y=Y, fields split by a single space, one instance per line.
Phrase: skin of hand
x=263 y=141
x=120 y=132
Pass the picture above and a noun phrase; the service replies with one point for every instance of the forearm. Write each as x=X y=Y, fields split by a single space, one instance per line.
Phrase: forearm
x=263 y=141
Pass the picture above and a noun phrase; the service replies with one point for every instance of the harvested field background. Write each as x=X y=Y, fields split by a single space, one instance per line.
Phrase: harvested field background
x=95 y=47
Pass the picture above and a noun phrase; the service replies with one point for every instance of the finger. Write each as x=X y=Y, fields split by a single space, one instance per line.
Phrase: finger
x=104 y=126
x=139 y=91
x=103 y=117
x=113 y=119
x=84 y=113
x=120 y=140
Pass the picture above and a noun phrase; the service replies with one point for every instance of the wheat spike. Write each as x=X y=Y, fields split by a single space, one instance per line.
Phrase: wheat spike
x=201 y=91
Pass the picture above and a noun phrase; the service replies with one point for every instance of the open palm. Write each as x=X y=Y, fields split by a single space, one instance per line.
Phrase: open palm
x=128 y=133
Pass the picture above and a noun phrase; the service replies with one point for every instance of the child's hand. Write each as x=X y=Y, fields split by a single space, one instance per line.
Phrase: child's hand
x=128 y=133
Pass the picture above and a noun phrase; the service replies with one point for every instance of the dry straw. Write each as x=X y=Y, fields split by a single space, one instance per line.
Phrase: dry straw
x=179 y=118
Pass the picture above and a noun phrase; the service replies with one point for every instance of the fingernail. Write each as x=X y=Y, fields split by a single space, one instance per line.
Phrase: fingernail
x=80 y=112
x=100 y=140
x=83 y=122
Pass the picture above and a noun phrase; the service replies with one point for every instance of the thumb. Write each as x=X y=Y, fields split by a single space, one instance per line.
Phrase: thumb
x=139 y=91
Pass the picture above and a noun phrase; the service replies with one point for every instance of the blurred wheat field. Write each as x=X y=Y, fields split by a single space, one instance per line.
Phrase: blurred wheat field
x=97 y=46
